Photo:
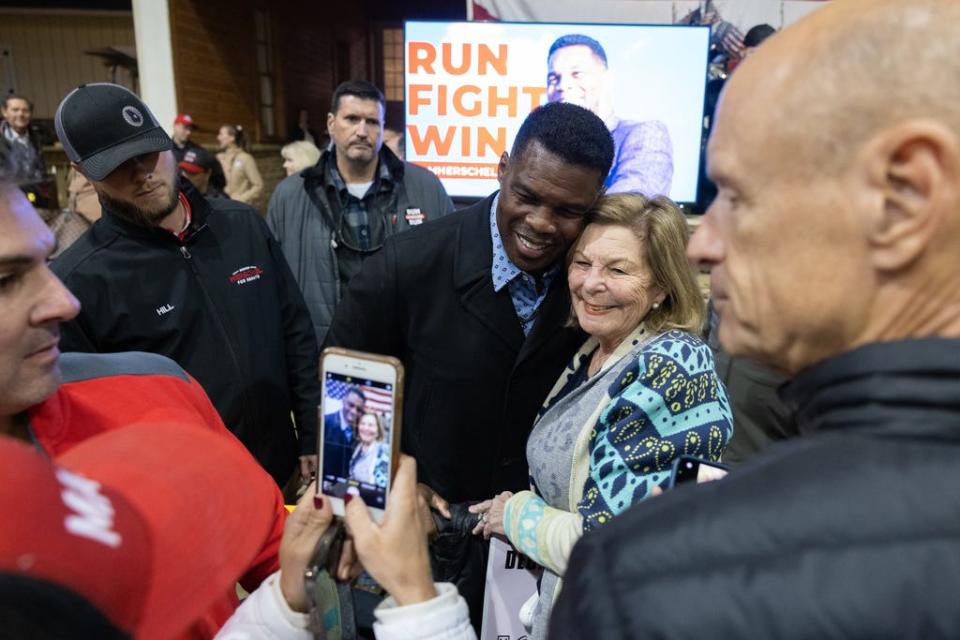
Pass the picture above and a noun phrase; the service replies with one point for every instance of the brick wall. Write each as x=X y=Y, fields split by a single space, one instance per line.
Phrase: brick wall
x=270 y=165
x=316 y=46
x=322 y=44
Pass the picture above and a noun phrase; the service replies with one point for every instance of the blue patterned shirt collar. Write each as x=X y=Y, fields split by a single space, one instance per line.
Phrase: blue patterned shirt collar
x=502 y=270
x=522 y=286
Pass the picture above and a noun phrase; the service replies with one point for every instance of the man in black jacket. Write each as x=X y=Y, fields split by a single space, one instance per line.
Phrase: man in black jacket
x=833 y=247
x=201 y=281
x=474 y=304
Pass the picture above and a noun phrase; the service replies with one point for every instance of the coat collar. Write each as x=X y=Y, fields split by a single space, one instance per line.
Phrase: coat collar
x=386 y=157
x=473 y=257
x=908 y=382
x=474 y=251
x=637 y=338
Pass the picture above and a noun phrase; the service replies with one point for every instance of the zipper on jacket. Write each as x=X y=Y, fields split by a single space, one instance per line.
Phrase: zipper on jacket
x=223 y=330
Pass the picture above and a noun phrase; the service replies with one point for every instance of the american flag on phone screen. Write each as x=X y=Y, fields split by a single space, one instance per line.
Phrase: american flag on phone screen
x=379 y=399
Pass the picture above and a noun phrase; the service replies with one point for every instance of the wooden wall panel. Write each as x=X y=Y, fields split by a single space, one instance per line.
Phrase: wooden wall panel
x=48 y=46
x=214 y=59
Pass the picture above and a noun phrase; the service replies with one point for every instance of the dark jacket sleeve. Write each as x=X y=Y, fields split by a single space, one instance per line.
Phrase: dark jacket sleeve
x=302 y=355
x=790 y=545
x=74 y=338
x=427 y=191
x=612 y=587
x=73 y=334
x=444 y=204
x=369 y=318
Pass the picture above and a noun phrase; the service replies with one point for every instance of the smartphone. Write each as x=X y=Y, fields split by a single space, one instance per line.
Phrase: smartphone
x=359 y=427
x=691 y=469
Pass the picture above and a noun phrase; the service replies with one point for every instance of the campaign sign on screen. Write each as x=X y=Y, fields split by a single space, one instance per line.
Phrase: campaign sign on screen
x=470 y=85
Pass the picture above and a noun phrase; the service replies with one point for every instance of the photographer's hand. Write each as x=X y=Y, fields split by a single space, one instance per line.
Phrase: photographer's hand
x=308 y=467
x=303 y=530
x=395 y=551
x=428 y=502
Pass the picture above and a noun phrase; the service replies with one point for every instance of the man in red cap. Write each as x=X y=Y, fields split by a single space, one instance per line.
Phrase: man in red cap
x=58 y=402
x=182 y=130
x=183 y=127
x=199 y=166
x=150 y=544
x=109 y=541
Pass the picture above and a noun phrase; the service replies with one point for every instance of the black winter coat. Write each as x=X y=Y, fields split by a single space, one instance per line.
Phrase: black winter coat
x=222 y=303
x=473 y=383
x=850 y=531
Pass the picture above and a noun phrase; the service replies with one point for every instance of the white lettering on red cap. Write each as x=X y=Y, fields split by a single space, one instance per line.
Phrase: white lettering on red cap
x=93 y=513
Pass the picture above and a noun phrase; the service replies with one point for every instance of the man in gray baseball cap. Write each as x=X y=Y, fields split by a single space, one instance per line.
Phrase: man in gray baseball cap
x=103 y=125
x=110 y=135
x=199 y=280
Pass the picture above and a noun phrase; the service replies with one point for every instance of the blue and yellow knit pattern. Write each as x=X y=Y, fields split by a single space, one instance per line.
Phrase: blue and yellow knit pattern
x=668 y=402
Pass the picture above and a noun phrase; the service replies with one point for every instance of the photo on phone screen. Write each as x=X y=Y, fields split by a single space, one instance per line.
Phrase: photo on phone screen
x=357 y=437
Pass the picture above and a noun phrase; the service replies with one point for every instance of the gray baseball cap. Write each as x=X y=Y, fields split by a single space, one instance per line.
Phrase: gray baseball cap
x=102 y=125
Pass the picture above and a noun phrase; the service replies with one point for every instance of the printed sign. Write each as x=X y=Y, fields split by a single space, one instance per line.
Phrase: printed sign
x=510 y=583
x=469 y=87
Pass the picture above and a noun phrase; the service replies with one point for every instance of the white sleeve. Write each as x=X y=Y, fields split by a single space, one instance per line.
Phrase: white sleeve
x=265 y=615
x=444 y=617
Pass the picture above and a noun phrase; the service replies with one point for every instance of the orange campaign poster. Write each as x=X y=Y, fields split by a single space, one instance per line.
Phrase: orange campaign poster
x=469 y=87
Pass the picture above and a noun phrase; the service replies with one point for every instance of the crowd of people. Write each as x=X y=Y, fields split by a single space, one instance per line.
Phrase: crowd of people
x=558 y=356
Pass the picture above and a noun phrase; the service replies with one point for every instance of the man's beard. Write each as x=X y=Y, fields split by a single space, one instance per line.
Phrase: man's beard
x=143 y=217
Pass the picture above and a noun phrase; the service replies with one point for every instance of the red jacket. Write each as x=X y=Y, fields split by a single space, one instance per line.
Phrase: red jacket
x=101 y=392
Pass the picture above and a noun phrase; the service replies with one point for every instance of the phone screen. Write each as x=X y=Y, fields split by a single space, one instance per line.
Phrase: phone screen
x=688 y=469
x=357 y=437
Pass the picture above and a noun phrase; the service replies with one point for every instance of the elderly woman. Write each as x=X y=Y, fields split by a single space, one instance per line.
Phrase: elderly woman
x=641 y=391
x=299 y=155
x=370 y=461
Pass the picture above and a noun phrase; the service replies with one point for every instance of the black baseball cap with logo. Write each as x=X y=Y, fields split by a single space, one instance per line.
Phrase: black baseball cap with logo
x=198 y=161
x=102 y=125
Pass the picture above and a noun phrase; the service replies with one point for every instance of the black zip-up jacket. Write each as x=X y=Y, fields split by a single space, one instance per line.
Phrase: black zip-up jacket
x=850 y=531
x=222 y=303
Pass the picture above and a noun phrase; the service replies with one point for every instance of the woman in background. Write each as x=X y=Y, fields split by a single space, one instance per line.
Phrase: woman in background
x=298 y=156
x=370 y=461
x=240 y=169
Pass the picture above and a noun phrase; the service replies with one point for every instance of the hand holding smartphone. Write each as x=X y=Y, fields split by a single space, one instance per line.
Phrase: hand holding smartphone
x=359 y=434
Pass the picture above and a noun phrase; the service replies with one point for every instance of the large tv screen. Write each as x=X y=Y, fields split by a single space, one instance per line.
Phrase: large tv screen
x=469 y=85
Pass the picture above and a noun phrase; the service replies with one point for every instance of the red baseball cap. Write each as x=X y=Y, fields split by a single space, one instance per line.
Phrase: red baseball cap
x=151 y=524
x=183 y=118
